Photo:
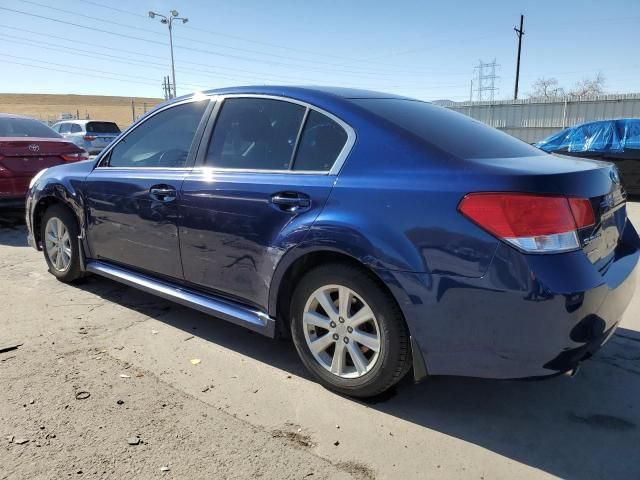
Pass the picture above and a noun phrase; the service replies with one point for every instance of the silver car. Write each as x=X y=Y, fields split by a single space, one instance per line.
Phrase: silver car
x=92 y=135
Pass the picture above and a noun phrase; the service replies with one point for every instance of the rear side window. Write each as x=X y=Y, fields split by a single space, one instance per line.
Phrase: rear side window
x=321 y=142
x=255 y=134
x=163 y=140
x=75 y=128
x=451 y=132
x=25 y=127
x=102 y=127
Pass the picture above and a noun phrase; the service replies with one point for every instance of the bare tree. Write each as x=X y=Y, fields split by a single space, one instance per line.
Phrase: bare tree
x=546 y=88
x=589 y=86
x=549 y=87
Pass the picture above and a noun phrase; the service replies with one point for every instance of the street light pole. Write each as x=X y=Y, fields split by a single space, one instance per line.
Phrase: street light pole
x=168 y=20
x=173 y=66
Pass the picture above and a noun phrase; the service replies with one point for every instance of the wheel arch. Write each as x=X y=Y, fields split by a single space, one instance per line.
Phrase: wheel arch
x=54 y=196
x=301 y=260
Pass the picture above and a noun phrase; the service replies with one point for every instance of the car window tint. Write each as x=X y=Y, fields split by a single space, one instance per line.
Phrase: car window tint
x=75 y=128
x=255 y=133
x=451 y=132
x=321 y=142
x=25 y=127
x=65 y=128
x=102 y=127
x=163 y=140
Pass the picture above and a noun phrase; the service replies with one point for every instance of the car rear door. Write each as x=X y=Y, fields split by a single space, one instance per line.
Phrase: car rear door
x=262 y=177
x=132 y=196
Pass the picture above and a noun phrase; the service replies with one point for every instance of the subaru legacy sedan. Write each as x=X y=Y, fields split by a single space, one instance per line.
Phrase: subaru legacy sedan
x=382 y=234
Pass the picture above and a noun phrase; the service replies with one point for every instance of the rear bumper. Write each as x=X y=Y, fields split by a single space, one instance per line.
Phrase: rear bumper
x=529 y=316
x=12 y=203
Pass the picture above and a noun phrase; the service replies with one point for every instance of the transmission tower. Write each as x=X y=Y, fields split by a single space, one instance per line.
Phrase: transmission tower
x=486 y=78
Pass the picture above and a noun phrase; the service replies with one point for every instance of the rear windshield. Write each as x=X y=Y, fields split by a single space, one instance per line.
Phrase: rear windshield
x=25 y=127
x=452 y=132
x=102 y=127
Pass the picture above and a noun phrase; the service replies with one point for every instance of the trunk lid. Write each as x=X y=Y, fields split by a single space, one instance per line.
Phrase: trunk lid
x=597 y=181
x=25 y=157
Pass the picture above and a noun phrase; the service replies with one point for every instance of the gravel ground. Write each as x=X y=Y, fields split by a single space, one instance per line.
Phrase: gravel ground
x=249 y=410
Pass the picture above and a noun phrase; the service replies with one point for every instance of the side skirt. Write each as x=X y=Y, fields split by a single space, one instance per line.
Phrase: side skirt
x=224 y=309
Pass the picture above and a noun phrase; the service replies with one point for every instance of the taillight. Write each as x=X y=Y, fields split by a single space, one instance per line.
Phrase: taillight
x=75 y=157
x=582 y=212
x=533 y=223
x=89 y=138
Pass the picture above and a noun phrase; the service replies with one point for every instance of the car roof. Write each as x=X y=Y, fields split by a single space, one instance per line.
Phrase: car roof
x=15 y=115
x=318 y=95
x=294 y=91
x=84 y=122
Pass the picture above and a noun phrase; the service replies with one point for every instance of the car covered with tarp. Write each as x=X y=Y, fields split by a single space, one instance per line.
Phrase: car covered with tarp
x=616 y=141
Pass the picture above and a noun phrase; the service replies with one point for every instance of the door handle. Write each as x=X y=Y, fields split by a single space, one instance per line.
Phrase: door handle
x=290 y=201
x=163 y=193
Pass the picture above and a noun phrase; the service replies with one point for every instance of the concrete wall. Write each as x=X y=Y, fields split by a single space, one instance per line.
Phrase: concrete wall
x=532 y=120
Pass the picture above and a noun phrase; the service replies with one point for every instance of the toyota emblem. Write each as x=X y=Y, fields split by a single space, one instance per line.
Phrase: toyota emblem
x=615 y=176
x=34 y=147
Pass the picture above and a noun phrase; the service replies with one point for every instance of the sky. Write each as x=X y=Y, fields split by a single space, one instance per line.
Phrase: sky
x=420 y=48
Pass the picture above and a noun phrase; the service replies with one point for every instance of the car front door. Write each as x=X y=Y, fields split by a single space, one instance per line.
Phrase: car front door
x=132 y=196
x=261 y=179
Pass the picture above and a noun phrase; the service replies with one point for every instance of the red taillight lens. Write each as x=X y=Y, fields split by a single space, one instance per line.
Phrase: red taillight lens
x=535 y=223
x=582 y=212
x=89 y=138
x=75 y=157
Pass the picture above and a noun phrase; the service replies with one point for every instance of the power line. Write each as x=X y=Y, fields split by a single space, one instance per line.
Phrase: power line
x=258 y=42
x=120 y=59
x=239 y=49
x=159 y=66
x=74 y=42
x=135 y=77
x=77 y=72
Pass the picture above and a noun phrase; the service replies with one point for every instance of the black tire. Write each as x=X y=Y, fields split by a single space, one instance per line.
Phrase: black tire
x=394 y=357
x=73 y=271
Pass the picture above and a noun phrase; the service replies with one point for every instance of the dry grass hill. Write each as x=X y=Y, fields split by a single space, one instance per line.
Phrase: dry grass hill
x=48 y=107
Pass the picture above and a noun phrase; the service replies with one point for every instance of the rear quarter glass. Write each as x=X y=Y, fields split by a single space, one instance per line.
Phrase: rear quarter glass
x=25 y=127
x=449 y=131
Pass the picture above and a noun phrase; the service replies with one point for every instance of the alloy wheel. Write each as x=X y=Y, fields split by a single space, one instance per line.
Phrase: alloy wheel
x=58 y=244
x=341 y=331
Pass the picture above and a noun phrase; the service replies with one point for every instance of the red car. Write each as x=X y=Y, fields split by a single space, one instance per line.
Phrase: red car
x=26 y=147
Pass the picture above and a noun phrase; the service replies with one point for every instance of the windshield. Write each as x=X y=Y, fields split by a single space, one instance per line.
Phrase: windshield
x=25 y=127
x=454 y=133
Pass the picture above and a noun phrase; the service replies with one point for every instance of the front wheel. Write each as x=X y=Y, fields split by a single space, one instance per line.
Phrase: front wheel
x=348 y=331
x=60 y=243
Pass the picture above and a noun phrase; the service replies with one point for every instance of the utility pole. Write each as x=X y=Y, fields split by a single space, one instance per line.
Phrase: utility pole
x=168 y=20
x=520 y=33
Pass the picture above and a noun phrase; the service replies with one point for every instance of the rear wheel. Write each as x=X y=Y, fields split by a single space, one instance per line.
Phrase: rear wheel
x=60 y=243
x=348 y=331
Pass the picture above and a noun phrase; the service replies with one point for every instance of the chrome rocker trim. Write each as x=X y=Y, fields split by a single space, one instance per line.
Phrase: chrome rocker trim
x=231 y=312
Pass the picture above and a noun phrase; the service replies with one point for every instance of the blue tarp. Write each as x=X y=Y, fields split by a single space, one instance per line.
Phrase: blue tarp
x=606 y=136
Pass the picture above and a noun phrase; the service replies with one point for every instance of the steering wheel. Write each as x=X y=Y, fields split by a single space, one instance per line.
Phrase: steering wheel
x=173 y=157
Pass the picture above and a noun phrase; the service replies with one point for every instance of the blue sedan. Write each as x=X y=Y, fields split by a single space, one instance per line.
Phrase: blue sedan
x=381 y=233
